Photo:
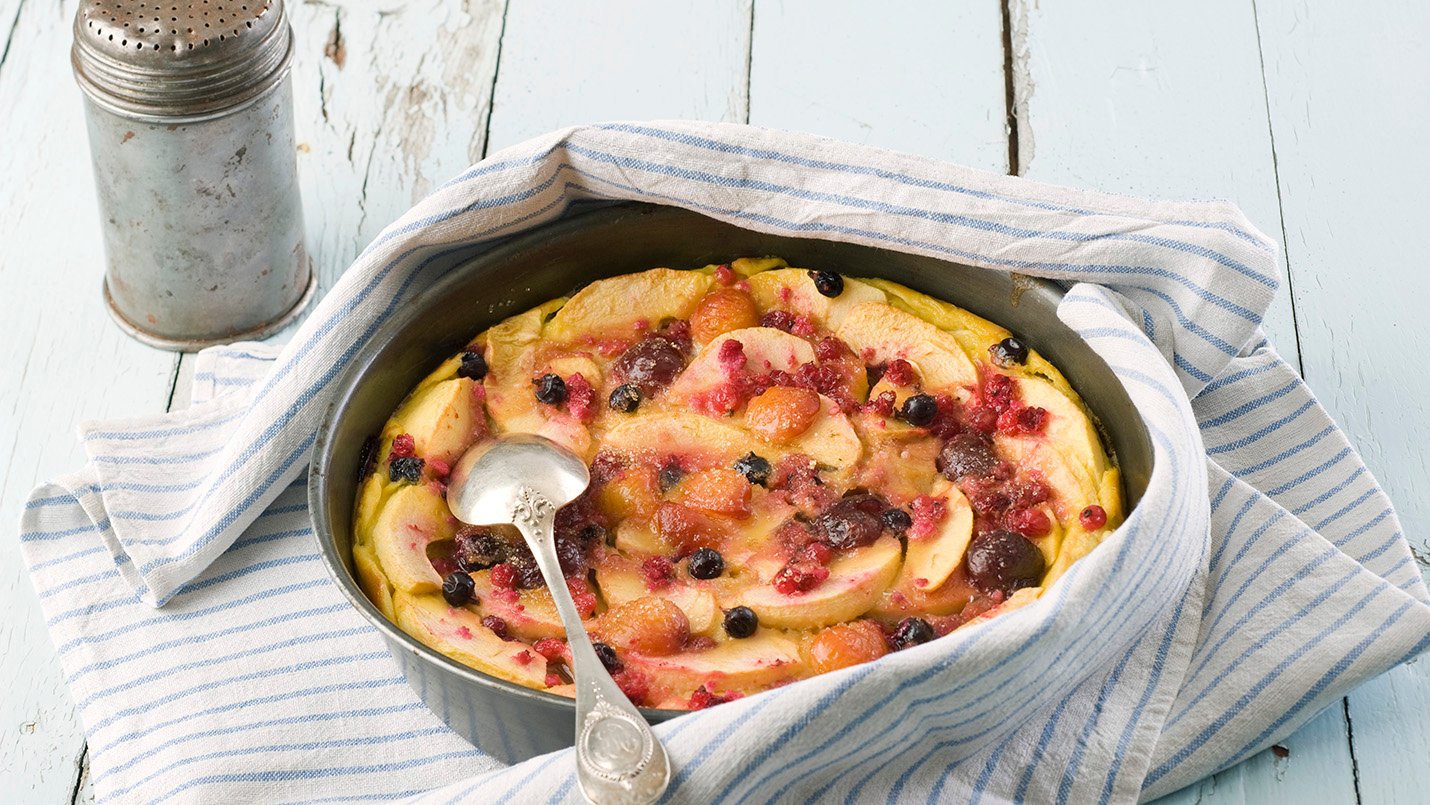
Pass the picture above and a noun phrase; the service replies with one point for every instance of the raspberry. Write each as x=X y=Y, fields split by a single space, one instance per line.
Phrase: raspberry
x=552 y=680
x=1092 y=518
x=635 y=686
x=702 y=698
x=550 y=648
x=830 y=348
x=899 y=372
x=724 y=275
x=606 y=466
x=732 y=355
x=998 y=392
x=778 y=319
x=799 y=577
x=678 y=332
x=580 y=396
x=817 y=553
x=882 y=405
x=928 y=512
x=504 y=576
x=1032 y=419
x=1028 y=522
x=984 y=420
x=658 y=572
x=402 y=447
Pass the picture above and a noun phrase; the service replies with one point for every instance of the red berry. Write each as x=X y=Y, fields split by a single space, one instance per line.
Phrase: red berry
x=732 y=354
x=799 y=577
x=899 y=372
x=658 y=572
x=635 y=686
x=496 y=624
x=830 y=348
x=982 y=419
x=1092 y=518
x=724 y=275
x=504 y=576
x=402 y=447
x=550 y=648
x=1028 y=522
x=928 y=512
x=998 y=392
x=1032 y=419
x=778 y=319
x=552 y=680
x=817 y=553
x=580 y=396
x=882 y=405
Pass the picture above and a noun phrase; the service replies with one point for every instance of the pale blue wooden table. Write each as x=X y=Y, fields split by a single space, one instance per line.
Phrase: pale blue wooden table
x=1313 y=116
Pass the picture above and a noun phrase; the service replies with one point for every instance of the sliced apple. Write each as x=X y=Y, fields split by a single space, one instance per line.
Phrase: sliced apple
x=1069 y=429
x=529 y=614
x=621 y=580
x=879 y=333
x=639 y=537
x=459 y=634
x=369 y=503
x=765 y=349
x=1071 y=487
x=792 y=290
x=1018 y=600
x=701 y=439
x=856 y=580
x=901 y=462
x=931 y=560
x=750 y=665
x=830 y=439
x=372 y=580
x=904 y=599
x=615 y=305
x=443 y=419
x=414 y=517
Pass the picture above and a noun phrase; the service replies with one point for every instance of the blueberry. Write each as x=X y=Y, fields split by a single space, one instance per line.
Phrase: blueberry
x=1009 y=352
x=896 y=520
x=607 y=656
x=755 y=468
x=457 y=588
x=827 y=283
x=407 y=469
x=550 y=389
x=741 y=622
x=911 y=632
x=706 y=563
x=919 y=410
x=1004 y=561
x=626 y=398
x=669 y=476
x=473 y=365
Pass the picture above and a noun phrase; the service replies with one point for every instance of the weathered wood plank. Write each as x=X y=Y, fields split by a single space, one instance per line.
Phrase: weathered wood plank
x=64 y=362
x=1125 y=98
x=1347 y=88
x=924 y=77
x=1150 y=100
x=390 y=101
x=568 y=63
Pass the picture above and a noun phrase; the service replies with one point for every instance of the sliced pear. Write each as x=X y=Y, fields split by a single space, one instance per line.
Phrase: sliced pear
x=614 y=305
x=712 y=442
x=753 y=664
x=369 y=502
x=902 y=460
x=529 y=614
x=1018 y=600
x=414 y=517
x=621 y=580
x=459 y=634
x=879 y=333
x=639 y=537
x=931 y=560
x=1068 y=428
x=443 y=419
x=765 y=349
x=372 y=580
x=904 y=599
x=856 y=580
x=791 y=289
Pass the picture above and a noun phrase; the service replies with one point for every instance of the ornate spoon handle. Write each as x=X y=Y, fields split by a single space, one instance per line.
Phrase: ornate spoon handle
x=618 y=759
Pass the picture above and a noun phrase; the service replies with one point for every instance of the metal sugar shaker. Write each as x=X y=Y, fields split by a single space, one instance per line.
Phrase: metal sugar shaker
x=190 y=114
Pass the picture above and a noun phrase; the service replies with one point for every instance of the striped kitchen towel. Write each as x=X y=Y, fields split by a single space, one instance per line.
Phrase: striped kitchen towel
x=1262 y=576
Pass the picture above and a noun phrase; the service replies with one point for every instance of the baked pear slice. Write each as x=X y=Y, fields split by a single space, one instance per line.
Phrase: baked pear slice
x=856 y=580
x=372 y=580
x=1072 y=488
x=753 y=664
x=931 y=559
x=511 y=353
x=621 y=580
x=792 y=290
x=412 y=518
x=459 y=634
x=1068 y=427
x=830 y=439
x=443 y=419
x=613 y=306
x=765 y=349
x=880 y=333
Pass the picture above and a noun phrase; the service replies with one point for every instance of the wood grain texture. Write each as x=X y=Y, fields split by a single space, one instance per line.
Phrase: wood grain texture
x=569 y=63
x=63 y=362
x=1348 y=88
x=1157 y=100
x=923 y=77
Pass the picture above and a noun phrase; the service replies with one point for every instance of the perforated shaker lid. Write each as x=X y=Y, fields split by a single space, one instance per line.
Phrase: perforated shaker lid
x=179 y=58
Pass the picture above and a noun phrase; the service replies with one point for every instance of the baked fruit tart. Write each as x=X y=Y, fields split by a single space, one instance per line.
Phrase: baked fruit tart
x=792 y=472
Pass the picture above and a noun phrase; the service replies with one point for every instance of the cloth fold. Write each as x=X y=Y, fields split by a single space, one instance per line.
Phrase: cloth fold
x=1263 y=574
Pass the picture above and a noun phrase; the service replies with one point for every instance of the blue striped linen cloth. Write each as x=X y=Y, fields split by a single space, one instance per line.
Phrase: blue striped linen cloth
x=1263 y=575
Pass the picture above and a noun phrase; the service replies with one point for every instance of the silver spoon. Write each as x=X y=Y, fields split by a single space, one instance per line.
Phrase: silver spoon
x=523 y=479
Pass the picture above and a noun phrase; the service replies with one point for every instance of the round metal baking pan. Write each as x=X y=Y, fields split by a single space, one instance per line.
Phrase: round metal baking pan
x=504 y=719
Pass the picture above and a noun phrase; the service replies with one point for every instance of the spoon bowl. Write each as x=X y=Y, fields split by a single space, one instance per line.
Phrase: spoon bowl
x=492 y=475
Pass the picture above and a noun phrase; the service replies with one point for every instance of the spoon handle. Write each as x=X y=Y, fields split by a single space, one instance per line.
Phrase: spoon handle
x=618 y=759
